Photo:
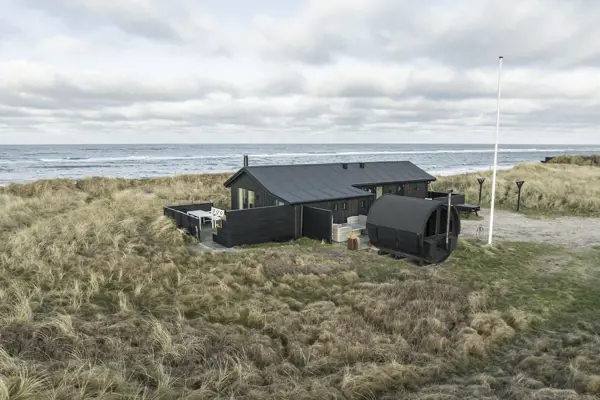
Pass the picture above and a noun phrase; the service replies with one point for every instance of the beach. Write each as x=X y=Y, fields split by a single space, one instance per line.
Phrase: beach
x=30 y=163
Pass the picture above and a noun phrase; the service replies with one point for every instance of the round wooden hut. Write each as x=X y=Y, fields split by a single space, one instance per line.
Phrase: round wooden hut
x=413 y=228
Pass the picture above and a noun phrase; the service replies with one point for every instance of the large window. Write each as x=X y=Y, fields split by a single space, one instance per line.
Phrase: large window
x=246 y=199
x=251 y=199
x=241 y=201
x=412 y=190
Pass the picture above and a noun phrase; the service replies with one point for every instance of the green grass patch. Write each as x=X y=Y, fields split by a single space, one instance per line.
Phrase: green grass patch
x=540 y=278
x=302 y=242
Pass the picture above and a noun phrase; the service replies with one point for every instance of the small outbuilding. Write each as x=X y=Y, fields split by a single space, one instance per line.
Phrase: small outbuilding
x=413 y=228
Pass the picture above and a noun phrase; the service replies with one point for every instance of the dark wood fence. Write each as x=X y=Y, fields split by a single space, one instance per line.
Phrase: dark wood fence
x=443 y=196
x=206 y=206
x=185 y=221
x=190 y=223
x=317 y=223
x=257 y=225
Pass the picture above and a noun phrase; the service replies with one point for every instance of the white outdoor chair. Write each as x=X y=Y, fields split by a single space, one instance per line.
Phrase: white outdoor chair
x=216 y=214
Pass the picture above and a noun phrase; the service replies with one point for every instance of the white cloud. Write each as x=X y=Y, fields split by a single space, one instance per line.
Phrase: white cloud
x=377 y=70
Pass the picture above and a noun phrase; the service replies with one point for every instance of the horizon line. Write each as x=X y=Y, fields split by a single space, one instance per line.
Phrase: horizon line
x=296 y=143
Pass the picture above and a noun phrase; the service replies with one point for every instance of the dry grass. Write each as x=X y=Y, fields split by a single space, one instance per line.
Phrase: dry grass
x=593 y=160
x=549 y=188
x=180 y=189
x=100 y=299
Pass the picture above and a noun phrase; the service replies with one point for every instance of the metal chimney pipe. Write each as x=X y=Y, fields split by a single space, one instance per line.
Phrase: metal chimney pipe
x=245 y=160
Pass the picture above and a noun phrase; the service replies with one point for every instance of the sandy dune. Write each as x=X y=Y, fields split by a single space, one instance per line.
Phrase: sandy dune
x=574 y=231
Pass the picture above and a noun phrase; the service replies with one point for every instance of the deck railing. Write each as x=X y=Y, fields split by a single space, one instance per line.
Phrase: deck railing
x=191 y=223
x=456 y=198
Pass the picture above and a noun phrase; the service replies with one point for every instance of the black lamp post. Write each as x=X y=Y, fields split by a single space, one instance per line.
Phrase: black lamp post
x=480 y=180
x=519 y=185
x=450 y=191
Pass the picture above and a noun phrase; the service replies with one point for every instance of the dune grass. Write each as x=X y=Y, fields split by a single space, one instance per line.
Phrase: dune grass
x=593 y=160
x=100 y=299
x=550 y=189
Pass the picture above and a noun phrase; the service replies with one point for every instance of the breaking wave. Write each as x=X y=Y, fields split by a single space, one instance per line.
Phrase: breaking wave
x=288 y=155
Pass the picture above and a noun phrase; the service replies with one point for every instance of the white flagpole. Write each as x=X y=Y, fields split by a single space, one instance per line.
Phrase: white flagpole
x=495 y=156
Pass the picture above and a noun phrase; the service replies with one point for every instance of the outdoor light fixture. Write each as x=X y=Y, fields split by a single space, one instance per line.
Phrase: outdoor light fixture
x=448 y=218
x=519 y=185
x=480 y=180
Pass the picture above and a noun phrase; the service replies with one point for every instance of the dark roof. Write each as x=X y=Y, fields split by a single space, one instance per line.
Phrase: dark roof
x=404 y=213
x=305 y=183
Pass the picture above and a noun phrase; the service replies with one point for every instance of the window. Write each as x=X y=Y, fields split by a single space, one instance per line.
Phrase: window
x=335 y=206
x=400 y=189
x=251 y=199
x=242 y=198
x=345 y=206
x=278 y=203
x=415 y=188
x=362 y=204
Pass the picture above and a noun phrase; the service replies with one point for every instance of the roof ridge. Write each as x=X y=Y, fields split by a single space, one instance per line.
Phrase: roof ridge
x=308 y=182
x=331 y=163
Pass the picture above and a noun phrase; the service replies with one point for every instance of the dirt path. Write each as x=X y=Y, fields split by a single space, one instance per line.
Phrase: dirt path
x=573 y=231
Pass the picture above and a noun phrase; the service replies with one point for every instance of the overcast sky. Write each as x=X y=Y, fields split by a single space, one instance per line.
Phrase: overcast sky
x=135 y=71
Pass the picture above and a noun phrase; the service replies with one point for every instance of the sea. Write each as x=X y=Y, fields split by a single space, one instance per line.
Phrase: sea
x=25 y=163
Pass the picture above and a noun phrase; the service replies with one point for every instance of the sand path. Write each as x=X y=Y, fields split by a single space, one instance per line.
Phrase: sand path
x=573 y=231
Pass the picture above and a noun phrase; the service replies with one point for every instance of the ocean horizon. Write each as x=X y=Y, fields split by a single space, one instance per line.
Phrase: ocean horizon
x=26 y=163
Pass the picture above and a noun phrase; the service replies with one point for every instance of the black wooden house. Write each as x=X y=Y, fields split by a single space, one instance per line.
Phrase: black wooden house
x=347 y=189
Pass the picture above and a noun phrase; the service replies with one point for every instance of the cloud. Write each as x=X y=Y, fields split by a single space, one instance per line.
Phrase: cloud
x=138 y=17
x=145 y=70
x=8 y=30
x=28 y=84
x=459 y=32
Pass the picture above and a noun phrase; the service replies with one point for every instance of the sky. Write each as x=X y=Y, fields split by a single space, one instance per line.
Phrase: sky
x=294 y=71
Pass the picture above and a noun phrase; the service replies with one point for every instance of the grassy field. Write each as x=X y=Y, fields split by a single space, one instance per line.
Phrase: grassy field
x=100 y=299
x=557 y=189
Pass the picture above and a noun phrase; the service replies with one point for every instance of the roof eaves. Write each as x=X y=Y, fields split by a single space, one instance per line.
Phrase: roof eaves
x=394 y=181
x=233 y=177
x=318 y=200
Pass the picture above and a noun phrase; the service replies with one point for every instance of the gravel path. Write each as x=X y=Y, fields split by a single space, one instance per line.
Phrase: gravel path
x=573 y=231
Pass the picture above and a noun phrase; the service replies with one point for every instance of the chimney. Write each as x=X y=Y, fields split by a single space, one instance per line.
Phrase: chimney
x=345 y=165
x=245 y=160
x=362 y=165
